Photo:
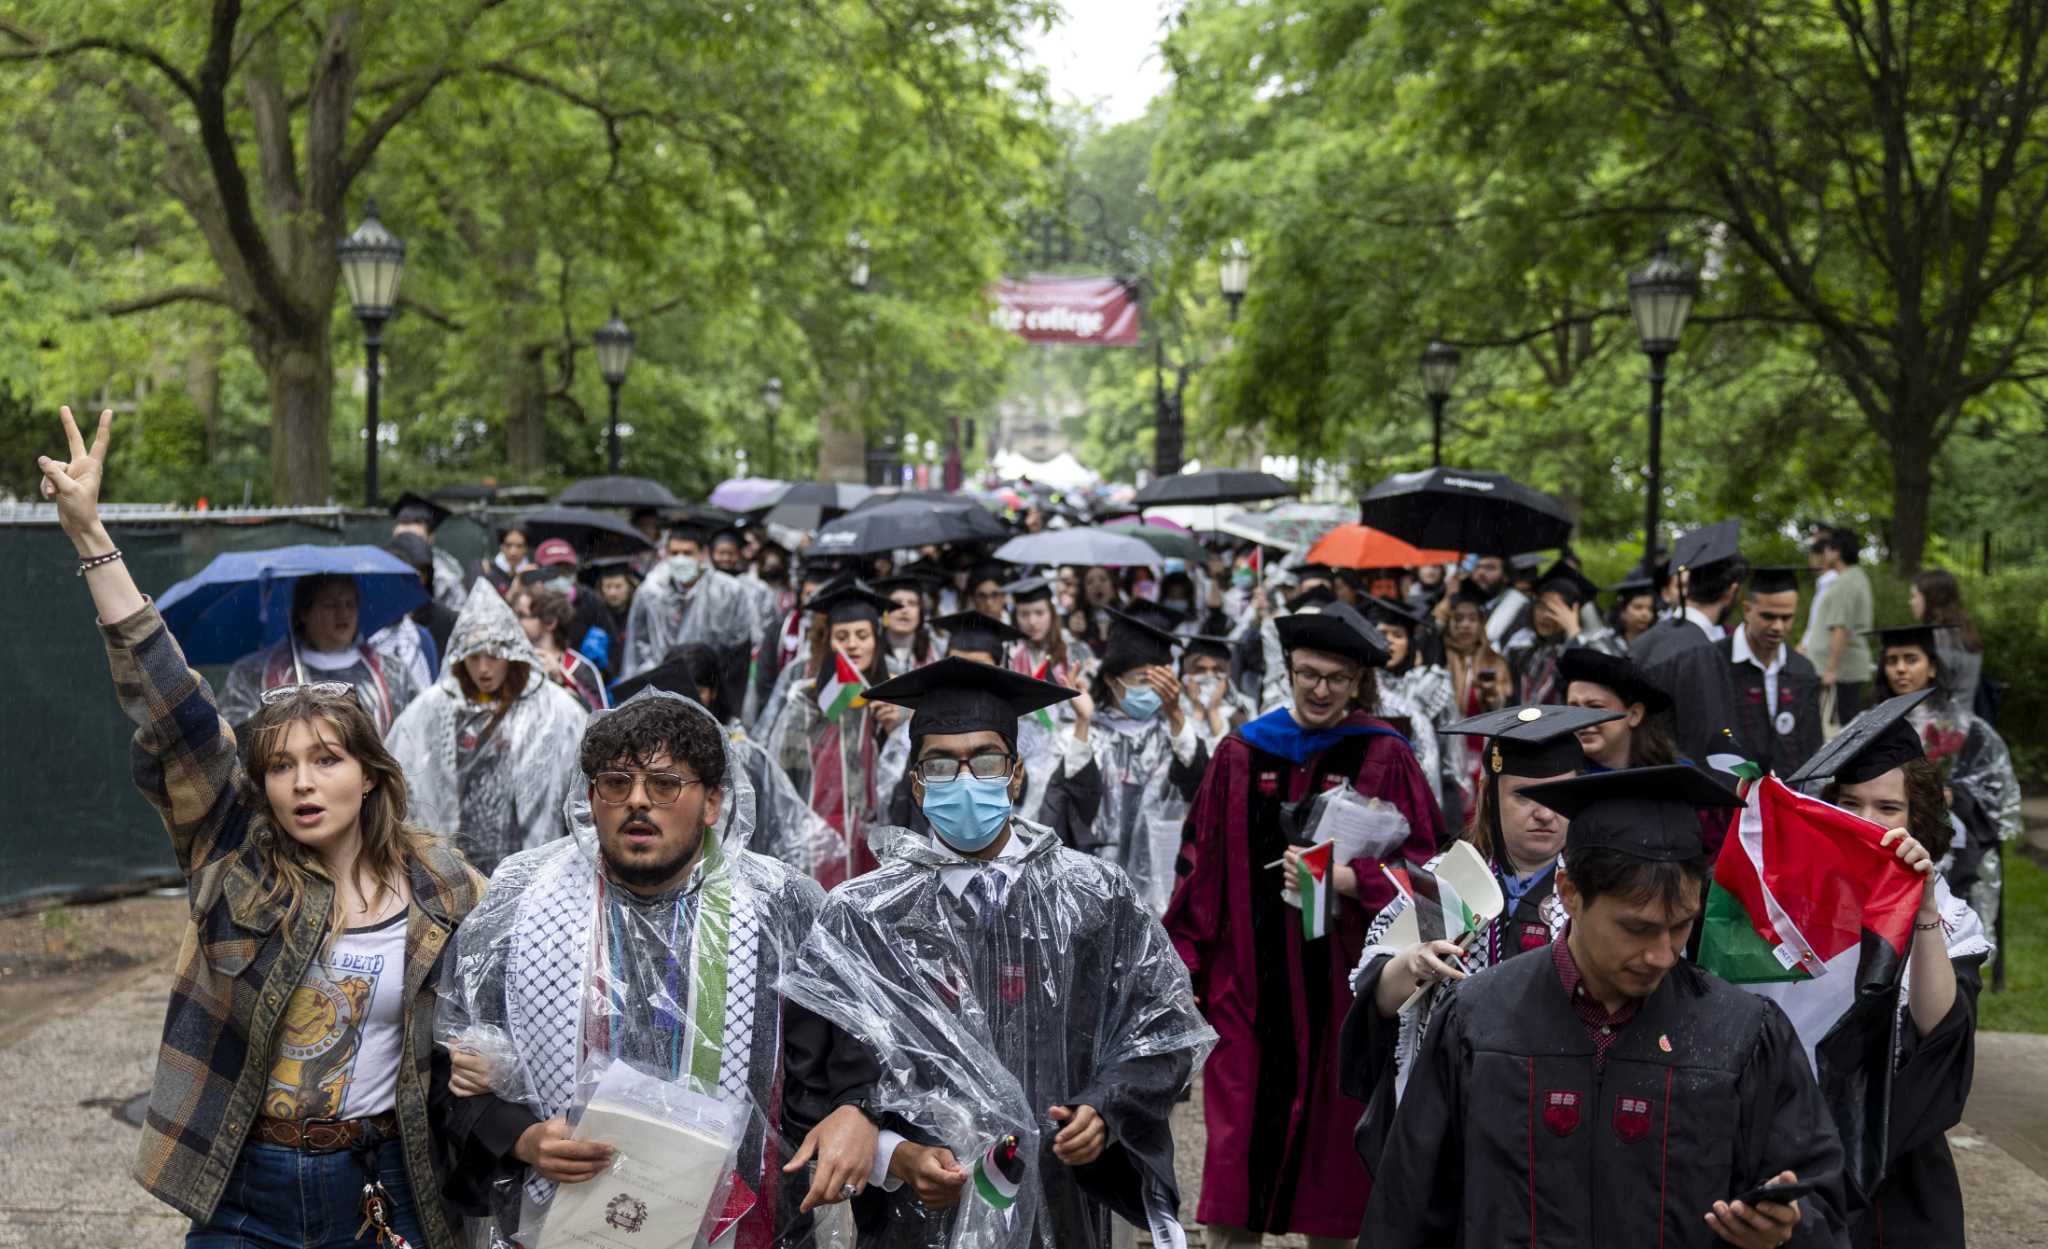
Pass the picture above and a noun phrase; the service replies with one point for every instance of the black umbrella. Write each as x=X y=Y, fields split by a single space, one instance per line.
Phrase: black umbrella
x=1214 y=485
x=591 y=533
x=907 y=523
x=618 y=492
x=809 y=504
x=700 y=515
x=881 y=497
x=1456 y=509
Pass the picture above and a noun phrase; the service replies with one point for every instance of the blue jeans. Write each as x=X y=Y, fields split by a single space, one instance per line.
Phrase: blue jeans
x=279 y=1198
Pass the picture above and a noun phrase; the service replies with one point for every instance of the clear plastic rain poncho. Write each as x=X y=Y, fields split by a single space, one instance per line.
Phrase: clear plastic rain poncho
x=1977 y=767
x=559 y=974
x=784 y=826
x=384 y=680
x=493 y=783
x=1138 y=825
x=1064 y=990
x=687 y=600
x=835 y=765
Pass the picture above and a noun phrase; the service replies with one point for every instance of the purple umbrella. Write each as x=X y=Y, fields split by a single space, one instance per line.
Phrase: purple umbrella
x=743 y=494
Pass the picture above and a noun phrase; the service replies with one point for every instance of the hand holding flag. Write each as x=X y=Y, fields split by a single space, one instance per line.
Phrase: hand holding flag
x=840 y=689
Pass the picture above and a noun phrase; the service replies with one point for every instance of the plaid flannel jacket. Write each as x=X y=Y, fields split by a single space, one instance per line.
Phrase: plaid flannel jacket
x=239 y=963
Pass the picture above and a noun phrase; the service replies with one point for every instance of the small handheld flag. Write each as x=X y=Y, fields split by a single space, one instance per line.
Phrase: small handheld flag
x=841 y=691
x=1313 y=878
x=1041 y=717
x=999 y=1173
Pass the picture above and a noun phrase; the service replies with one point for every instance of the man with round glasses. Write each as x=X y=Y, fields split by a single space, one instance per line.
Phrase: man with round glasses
x=1031 y=1012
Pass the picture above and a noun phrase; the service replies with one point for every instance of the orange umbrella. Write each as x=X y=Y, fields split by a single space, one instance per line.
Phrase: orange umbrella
x=1357 y=546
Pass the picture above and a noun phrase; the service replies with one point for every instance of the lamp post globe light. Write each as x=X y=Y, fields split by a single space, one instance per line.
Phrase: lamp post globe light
x=771 y=403
x=372 y=262
x=1660 y=297
x=857 y=259
x=1439 y=365
x=1235 y=273
x=614 y=356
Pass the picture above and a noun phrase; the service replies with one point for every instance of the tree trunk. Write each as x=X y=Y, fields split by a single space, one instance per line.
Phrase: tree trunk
x=301 y=377
x=1912 y=448
x=842 y=447
x=526 y=415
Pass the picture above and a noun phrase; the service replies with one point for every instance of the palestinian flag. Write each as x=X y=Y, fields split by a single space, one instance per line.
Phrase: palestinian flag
x=999 y=1173
x=1441 y=912
x=1317 y=885
x=1042 y=717
x=842 y=690
x=1807 y=909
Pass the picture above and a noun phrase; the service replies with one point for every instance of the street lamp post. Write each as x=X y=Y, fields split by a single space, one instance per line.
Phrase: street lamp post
x=372 y=262
x=1660 y=296
x=771 y=402
x=857 y=259
x=1439 y=373
x=1235 y=273
x=614 y=356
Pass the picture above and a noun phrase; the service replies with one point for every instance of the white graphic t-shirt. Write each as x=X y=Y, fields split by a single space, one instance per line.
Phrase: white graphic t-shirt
x=339 y=1044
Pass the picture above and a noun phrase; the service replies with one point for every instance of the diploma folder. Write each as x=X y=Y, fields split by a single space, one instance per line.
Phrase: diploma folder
x=672 y=1167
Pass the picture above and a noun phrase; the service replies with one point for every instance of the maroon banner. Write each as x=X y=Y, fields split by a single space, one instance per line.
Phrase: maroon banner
x=1073 y=312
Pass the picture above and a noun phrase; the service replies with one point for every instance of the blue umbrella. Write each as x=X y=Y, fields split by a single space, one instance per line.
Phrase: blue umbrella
x=242 y=601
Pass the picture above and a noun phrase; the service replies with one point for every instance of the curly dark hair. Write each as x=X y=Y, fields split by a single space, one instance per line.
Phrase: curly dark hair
x=644 y=728
x=1926 y=803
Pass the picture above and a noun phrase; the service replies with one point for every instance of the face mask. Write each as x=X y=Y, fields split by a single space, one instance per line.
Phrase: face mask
x=967 y=813
x=1140 y=702
x=1177 y=604
x=1203 y=687
x=687 y=568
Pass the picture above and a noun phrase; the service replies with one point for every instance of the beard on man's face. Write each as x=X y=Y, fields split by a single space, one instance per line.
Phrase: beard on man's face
x=656 y=864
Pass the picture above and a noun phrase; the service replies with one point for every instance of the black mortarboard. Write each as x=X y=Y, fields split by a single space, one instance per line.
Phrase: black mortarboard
x=1920 y=635
x=1387 y=611
x=850 y=602
x=1335 y=629
x=989 y=570
x=728 y=534
x=1651 y=813
x=414 y=550
x=1204 y=644
x=1472 y=594
x=1774 y=578
x=1872 y=744
x=411 y=509
x=1562 y=578
x=691 y=528
x=901 y=581
x=1156 y=614
x=1029 y=590
x=1522 y=567
x=1709 y=545
x=1135 y=642
x=956 y=695
x=1617 y=672
x=1637 y=582
x=598 y=569
x=1314 y=596
x=1531 y=740
x=973 y=631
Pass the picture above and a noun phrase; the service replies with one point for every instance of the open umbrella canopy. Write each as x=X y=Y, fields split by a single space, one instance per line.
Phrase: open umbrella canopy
x=809 y=504
x=907 y=523
x=242 y=601
x=617 y=492
x=703 y=515
x=743 y=494
x=592 y=533
x=1081 y=545
x=1360 y=546
x=1462 y=510
x=1214 y=485
x=1295 y=526
x=883 y=498
x=1170 y=543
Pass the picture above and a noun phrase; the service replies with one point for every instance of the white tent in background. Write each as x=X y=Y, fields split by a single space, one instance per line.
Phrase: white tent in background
x=1062 y=472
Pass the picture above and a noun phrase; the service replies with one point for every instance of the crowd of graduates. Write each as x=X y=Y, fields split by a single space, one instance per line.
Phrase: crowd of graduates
x=956 y=875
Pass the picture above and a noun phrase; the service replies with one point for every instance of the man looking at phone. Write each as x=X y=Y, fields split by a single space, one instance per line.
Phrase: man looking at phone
x=1607 y=1091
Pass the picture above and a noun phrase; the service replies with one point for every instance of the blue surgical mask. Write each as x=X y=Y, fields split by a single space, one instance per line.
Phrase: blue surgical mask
x=967 y=812
x=1140 y=702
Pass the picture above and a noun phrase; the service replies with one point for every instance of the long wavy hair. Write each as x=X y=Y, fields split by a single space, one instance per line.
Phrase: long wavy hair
x=1942 y=595
x=391 y=846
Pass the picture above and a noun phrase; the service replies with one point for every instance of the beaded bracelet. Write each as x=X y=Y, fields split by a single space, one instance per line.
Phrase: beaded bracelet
x=98 y=561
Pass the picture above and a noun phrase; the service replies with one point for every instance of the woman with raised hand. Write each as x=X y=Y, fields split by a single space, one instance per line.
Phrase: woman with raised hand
x=296 y=1079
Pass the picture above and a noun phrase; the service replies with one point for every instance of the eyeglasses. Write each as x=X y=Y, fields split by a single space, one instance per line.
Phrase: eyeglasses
x=1335 y=682
x=943 y=769
x=318 y=689
x=663 y=788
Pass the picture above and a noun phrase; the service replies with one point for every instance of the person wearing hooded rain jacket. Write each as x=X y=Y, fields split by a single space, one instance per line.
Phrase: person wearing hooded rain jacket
x=685 y=599
x=490 y=750
x=1031 y=1012
x=324 y=643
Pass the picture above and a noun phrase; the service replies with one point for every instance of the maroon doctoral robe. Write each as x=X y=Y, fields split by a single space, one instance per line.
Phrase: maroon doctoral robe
x=1280 y=1156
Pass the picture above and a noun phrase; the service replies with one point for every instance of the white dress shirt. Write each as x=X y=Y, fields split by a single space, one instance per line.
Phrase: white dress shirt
x=1740 y=653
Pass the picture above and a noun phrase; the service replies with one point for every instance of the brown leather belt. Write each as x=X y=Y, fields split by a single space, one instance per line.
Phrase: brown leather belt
x=324 y=1136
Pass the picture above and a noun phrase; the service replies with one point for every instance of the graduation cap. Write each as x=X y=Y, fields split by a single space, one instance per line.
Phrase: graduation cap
x=1562 y=578
x=1533 y=740
x=974 y=631
x=1920 y=635
x=1869 y=746
x=1637 y=582
x=598 y=569
x=1774 y=578
x=1386 y=611
x=1337 y=630
x=1029 y=590
x=411 y=509
x=1135 y=642
x=1525 y=567
x=844 y=604
x=901 y=581
x=989 y=570
x=955 y=695
x=1650 y=813
x=1314 y=596
x=1709 y=545
x=1205 y=644
x=414 y=550
x=727 y=534
x=1157 y=614
x=1617 y=672
x=1472 y=594
x=672 y=674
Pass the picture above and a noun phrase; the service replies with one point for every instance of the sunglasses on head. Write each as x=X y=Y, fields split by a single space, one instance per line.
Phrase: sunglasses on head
x=318 y=689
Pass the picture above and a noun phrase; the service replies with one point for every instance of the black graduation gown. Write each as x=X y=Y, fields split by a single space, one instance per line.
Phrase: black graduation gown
x=1919 y=1202
x=1670 y=636
x=1509 y=1136
x=1718 y=707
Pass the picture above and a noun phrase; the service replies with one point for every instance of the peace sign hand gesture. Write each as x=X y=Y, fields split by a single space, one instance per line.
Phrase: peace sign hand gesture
x=74 y=484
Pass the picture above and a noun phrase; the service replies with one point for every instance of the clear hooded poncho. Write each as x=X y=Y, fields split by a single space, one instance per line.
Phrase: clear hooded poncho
x=1977 y=767
x=1065 y=990
x=673 y=607
x=558 y=974
x=836 y=767
x=492 y=783
x=384 y=679
x=1138 y=825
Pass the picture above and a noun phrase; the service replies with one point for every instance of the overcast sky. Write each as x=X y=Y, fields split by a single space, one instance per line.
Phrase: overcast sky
x=1106 y=52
